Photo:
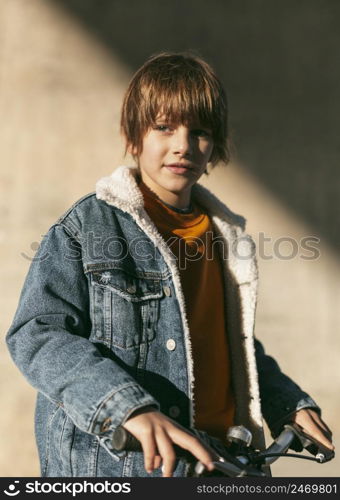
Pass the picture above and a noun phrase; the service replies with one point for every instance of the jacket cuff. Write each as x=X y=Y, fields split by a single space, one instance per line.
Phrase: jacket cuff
x=115 y=410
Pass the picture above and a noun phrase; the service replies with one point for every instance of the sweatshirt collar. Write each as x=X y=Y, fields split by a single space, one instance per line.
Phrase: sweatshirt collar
x=120 y=189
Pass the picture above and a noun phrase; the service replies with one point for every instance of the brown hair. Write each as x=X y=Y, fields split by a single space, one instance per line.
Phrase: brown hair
x=183 y=87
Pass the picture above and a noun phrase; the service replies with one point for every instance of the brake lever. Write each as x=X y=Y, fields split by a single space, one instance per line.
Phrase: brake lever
x=321 y=452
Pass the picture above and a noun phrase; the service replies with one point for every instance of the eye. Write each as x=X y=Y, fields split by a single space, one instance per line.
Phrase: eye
x=163 y=127
x=201 y=132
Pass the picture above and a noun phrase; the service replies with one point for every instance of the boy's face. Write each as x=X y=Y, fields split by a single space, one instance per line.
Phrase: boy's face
x=173 y=158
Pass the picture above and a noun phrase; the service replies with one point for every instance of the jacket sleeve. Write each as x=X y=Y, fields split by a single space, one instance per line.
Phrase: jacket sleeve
x=49 y=342
x=280 y=396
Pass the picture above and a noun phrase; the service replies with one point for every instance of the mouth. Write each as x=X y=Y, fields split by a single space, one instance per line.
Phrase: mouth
x=179 y=168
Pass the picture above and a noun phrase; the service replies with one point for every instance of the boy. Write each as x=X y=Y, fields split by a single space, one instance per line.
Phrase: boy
x=138 y=310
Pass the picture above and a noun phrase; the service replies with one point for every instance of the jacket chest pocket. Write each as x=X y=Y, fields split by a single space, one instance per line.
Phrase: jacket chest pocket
x=124 y=307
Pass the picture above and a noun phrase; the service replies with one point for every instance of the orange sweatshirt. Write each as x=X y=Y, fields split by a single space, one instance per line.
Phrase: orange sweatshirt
x=189 y=236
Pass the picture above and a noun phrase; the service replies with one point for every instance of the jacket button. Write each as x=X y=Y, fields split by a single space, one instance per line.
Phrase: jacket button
x=131 y=289
x=104 y=278
x=174 y=411
x=167 y=290
x=171 y=344
x=106 y=425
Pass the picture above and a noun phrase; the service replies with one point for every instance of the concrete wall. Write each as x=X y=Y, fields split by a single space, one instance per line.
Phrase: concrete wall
x=63 y=70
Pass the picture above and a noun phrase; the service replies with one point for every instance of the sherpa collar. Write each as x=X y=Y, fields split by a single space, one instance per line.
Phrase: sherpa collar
x=121 y=190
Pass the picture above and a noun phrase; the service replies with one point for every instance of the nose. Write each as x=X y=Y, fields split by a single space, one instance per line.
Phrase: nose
x=182 y=141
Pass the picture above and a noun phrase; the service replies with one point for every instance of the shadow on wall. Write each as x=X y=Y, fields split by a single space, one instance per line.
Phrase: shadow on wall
x=279 y=62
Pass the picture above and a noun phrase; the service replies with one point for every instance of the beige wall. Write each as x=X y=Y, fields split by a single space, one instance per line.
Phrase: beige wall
x=60 y=95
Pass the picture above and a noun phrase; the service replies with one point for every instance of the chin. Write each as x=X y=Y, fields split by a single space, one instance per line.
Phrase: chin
x=178 y=185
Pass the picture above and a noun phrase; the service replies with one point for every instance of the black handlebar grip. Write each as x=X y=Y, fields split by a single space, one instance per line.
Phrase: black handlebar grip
x=122 y=439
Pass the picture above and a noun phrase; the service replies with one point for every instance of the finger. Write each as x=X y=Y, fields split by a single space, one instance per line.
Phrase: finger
x=167 y=453
x=322 y=436
x=324 y=431
x=313 y=425
x=316 y=417
x=319 y=436
x=307 y=418
x=313 y=429
x=150 y=451
x=189 y=442
x=157 y=462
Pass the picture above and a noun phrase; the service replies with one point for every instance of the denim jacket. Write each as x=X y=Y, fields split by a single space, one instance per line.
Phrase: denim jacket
x=101 y=330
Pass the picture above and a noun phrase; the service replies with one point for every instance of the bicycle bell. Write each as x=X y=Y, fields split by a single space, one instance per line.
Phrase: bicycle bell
x=238 y=434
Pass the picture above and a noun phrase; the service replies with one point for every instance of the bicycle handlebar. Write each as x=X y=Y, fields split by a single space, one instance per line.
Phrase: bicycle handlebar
x=240 y=459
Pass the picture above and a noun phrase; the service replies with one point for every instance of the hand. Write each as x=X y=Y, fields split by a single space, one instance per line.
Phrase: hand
x=157 y=434
x=313 y=425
